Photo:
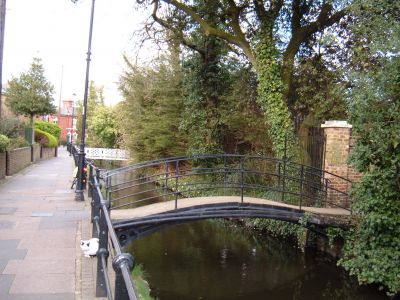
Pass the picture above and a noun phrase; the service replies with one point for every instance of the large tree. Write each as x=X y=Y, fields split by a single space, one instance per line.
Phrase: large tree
x=31 y=93
x=152 y=110
x=268 y=33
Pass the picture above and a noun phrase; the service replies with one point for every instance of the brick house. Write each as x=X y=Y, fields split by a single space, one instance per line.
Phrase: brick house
x=66 y=119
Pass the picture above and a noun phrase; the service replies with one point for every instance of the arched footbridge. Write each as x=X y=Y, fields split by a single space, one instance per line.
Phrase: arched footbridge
x=134 y=201
x=148 y=196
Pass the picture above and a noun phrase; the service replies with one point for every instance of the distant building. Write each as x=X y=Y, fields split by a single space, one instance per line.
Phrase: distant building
x=66 y=119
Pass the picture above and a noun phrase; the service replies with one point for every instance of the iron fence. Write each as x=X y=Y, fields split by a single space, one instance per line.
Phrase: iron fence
x=122 y=262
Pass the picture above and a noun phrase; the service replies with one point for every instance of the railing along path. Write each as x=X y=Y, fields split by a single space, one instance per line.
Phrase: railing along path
x=122 y=262
x=180 y=180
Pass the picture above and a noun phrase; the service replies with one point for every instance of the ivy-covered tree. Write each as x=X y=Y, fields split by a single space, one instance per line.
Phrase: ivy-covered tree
x=31 y=93
x=206 y=81
x=268 y=33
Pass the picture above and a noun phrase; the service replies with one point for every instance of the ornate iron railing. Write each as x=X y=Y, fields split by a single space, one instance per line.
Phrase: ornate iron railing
x=107 y=154
x=225 y=174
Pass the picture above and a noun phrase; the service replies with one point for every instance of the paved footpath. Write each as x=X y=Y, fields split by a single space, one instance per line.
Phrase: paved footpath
x=40 y=229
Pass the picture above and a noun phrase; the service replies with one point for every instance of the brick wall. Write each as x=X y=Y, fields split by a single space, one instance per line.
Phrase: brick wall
x=17 y=160
x=353 y=175
x=48 y=153
x=36 y=152
x=339 y=141
x=2 y=165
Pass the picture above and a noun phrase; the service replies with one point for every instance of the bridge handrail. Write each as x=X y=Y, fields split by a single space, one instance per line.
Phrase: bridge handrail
x=304 y=180
x=150 y=163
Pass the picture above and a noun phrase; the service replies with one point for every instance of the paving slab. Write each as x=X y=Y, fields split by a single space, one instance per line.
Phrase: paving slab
x=43 y=284
x=34 y=266
x=40 y=230
x=7 y=210
x=51 y=253
x=3 y=264
x=8 y=250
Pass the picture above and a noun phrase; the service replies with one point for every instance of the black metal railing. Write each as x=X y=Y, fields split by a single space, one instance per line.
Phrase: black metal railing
x=122 y=262
x=226 y=175
x=175 y=178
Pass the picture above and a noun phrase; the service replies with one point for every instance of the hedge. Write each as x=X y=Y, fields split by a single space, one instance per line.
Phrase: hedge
x=51 y=128
x=45 y=139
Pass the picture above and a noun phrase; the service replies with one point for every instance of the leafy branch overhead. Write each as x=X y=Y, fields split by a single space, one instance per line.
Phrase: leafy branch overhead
x=268 y=33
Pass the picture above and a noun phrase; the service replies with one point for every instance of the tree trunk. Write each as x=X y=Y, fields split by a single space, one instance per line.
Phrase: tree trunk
x=271 y=98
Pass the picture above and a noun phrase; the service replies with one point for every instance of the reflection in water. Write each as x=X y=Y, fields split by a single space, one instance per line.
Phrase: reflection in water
x=215 y=260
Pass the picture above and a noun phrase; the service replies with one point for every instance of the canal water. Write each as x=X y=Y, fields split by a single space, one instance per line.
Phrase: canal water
x=218 y=260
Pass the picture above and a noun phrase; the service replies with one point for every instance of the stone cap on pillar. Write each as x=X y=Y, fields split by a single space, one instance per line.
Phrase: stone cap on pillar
x=337 y=124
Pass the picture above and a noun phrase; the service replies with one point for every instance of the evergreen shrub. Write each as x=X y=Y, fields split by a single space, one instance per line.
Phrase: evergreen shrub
x=45 y=139
x=51 y=128
x=4 y=142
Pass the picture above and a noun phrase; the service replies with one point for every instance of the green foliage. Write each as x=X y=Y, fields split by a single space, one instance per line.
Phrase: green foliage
x=51 y=128
x=45 y=139
x=202 y=118
x=372 y=251
x=95 y=99
x=318 y=90
x=141 y=285
x=103 y=127
x=282 y=229
x=11 y=126
x=271 y=100
x=152 y=111
x=30 y=94
x=17 y=142
x=4 y=142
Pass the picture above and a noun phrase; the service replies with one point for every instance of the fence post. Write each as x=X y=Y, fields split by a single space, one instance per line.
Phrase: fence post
x=101 y=289
x=121 y=261
x=7 y=163
x=301 y=185
x=95 y=207
x=284 y=169
x=241 y=178
x=166 y=176
x=283 y=180
x=326 y=190
x=225 y=175
x=90 y=181
x=176 y=183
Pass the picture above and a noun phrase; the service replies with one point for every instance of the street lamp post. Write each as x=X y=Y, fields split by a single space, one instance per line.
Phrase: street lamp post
x=81 y=155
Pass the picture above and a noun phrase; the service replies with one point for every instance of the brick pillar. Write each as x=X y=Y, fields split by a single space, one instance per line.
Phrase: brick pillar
x=337 y=149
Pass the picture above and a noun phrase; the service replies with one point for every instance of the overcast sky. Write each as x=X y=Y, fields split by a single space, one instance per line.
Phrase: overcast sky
x=57 y=32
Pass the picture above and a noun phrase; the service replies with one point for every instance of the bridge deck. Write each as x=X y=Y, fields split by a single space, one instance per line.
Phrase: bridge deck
x=156 y=208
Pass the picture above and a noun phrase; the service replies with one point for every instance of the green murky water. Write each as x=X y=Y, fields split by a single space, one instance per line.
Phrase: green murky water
x=216 y=260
